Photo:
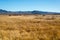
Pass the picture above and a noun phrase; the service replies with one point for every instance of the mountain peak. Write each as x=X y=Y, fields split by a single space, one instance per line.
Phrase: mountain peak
x=1 y=10
x=26 y=12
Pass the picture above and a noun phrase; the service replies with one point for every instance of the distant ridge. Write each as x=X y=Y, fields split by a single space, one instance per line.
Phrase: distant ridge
x=27 y=12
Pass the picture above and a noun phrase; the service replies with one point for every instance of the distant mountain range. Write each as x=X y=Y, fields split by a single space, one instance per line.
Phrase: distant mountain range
x=27 y=12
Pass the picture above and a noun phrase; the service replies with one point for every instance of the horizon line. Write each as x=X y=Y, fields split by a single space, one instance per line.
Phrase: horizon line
x=28 y=10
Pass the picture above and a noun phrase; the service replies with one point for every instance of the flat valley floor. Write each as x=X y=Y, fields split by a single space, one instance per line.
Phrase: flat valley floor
x=30 y=27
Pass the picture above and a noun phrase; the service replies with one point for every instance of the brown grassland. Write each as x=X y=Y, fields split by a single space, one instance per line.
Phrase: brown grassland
x=30 y=27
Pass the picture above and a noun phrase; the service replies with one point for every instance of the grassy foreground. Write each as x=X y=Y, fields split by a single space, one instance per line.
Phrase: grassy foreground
x=32 y=27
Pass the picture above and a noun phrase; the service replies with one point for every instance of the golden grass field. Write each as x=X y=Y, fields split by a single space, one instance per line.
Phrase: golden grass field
x=30 y=27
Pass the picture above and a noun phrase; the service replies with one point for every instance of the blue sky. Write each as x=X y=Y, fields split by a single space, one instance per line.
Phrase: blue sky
x=29 y=5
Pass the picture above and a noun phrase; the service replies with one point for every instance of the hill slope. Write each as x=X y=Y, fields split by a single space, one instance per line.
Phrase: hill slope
x=26 y=12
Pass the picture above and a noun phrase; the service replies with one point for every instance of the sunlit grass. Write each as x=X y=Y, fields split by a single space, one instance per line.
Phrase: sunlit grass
x=29 y=28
